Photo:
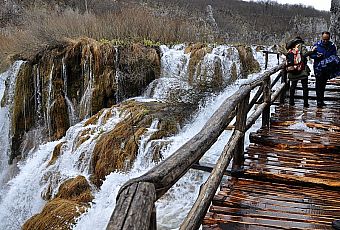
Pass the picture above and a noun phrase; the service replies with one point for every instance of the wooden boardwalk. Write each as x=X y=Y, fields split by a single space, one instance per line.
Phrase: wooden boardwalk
x=291 y=177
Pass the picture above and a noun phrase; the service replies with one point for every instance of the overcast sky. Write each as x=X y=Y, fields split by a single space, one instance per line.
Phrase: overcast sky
x=317 y=4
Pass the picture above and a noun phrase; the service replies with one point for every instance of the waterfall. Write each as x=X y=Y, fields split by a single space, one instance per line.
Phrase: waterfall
x=174 y=68
x=85 y=107
x=174 y=82
x=37 y=94
x=37 y=177
x=22 y=197
x=50 y=99
x=70 y=108
x=7 y=78
x=119 y=97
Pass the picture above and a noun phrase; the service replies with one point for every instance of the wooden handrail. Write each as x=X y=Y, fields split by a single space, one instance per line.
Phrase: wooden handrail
x=196 y=214
x=209 y=188
x=163 y=176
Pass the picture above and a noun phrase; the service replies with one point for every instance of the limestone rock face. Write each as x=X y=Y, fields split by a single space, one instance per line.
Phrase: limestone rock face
x=23 y=108
x=206 y=74
x=138 y=66
x=249 y=64
x=70 y=82
x=117 y=149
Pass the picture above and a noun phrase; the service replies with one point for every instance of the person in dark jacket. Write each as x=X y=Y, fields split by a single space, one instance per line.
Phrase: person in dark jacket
x=336 y=224
x=323 y=49
x=297 y=42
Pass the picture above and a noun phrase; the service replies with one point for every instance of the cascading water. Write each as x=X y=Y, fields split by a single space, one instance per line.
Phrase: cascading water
x=174 y=82
x=38 y=97
x=70 y=108
x=117 y=77
x=37 y=176
x=50 y=100
x=85 y=108
x=8 y=78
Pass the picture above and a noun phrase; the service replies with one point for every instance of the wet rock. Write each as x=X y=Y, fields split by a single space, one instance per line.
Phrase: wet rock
x=60 y=213
x=69 y=82
x=117 y=149
x=23 y=109
x=249 y=64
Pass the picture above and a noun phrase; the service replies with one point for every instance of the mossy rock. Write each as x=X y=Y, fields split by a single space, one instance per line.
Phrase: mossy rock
x=117 y=149
x=76 y=189
x=120 y=145
x=197 y=53
x=61 y=212
x=57 y=214
x=23 y=109
x=139 y=65
x=249 y=64
x=56 y=153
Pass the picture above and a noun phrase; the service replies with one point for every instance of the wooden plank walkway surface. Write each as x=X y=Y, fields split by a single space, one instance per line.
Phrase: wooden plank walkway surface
x=291 y=177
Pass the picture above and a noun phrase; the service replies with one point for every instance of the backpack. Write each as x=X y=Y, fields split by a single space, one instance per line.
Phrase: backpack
x=294 y=60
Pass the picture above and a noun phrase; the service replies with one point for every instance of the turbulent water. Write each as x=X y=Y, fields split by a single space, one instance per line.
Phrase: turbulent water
x=21 y=196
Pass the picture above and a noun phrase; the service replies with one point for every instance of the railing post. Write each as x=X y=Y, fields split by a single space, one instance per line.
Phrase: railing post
x=284 y=80
x=135 y=208
x=267 y=99
x=241 y=119
x=266 y=60
x=153 y=219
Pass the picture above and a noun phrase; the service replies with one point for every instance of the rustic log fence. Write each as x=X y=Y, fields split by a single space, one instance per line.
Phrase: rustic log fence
x=135 y=208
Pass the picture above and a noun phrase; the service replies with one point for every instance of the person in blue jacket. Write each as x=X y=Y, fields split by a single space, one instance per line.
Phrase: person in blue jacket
x=323 y=49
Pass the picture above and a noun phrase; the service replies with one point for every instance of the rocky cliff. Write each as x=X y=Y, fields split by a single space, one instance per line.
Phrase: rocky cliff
x=70 y=82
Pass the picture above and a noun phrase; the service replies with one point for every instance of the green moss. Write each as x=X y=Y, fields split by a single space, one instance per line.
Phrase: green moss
x=119 y=42
x=23 y=114
x=150 y=43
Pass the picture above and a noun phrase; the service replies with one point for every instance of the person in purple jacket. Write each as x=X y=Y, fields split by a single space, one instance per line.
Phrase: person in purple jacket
x=323 y=49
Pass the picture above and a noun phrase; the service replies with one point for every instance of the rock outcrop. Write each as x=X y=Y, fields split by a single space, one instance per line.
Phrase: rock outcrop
x=73 y=81
x=59 y=213
x=117 y=149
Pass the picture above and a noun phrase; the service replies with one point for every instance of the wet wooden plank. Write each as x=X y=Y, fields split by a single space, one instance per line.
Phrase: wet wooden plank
x=291 y=172
x=297 y=139
x=246 y=203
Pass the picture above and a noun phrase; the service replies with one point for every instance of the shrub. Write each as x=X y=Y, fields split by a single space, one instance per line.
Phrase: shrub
x=43 y=28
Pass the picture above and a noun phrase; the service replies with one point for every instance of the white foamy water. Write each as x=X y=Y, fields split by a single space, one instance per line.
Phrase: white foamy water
x=9 y=77
x=23 y=197
x=175 y=204
x=173 y=207
x=36 y=177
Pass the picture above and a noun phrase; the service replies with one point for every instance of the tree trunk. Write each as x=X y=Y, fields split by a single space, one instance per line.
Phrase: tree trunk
x=335 y=22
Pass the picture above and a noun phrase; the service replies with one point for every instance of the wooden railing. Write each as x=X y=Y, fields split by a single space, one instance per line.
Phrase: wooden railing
x=135 y=208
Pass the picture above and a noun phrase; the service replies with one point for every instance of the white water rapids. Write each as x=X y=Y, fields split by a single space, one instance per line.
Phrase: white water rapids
x=21 y=196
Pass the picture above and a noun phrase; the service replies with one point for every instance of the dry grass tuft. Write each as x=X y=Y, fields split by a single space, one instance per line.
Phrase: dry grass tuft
x=76 y=189
x=117 y=149
x=56 y=153
x=57 y=214
x=61 y=212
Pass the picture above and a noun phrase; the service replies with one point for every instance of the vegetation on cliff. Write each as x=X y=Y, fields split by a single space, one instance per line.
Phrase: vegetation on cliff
x=59 y=213
x=73 y=81
x=27 y=27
